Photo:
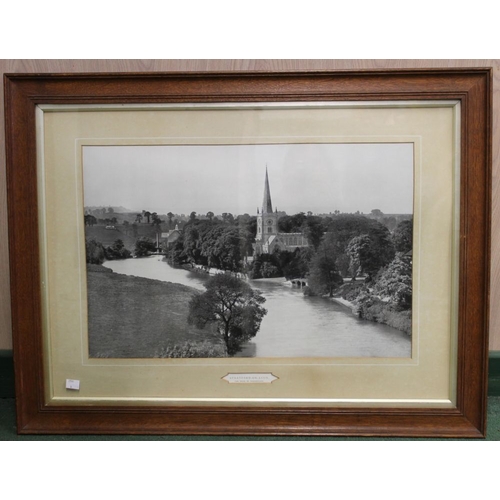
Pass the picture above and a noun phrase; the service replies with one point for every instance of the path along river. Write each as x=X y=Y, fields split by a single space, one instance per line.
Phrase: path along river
x=295 y=326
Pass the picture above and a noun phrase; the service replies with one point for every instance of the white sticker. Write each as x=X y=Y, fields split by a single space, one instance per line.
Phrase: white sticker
x=73 y=385
x=249 y=378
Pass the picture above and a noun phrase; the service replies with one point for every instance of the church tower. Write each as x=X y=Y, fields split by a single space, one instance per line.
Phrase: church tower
x=267 y=220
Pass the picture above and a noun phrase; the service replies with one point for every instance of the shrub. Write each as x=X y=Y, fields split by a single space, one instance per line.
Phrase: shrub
x=373 y=309
x=144 y=246
x=193 y=350
x=394 y=282
x=117 y=251
x=94 y=252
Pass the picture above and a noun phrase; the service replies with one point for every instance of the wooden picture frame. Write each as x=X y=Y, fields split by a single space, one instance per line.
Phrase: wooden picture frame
x=471 y=89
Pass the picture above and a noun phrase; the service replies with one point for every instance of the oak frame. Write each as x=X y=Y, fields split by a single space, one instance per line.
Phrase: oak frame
x=471 y=87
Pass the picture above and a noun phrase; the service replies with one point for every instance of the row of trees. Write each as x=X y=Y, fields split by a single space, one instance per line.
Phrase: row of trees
x=97 y=253
x=348 y=245
x=215 y=243
x=152 y=218
x=355 y=247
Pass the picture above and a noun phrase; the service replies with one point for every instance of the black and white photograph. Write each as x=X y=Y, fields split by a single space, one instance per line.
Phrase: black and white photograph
x=249 y=251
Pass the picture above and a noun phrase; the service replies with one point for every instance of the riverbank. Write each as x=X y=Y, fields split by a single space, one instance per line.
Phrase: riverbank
x=211 y=271
x=133 y=317
x=295 y=326
x=365 y=305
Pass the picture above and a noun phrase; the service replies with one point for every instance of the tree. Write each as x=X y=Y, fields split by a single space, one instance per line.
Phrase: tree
x=403 y=236
x=170 y=216
x=144 y=246
x=292 y=224
x=94 y=251
x=362 y=257
x=313 y=231
x=222 y=246
x=210 y=216
x=147 y=214
x=369 y=253
x=156 y=221
x=192 y=216
x=138 y=218
x=90 y=220
x=228 y=217
x=324 y=277
x=394 y=282
x=265 y=265
x=195 y=232
x=233 y=306
x=117 y=251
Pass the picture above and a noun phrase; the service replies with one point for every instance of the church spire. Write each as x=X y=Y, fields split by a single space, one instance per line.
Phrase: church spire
x=267 y=206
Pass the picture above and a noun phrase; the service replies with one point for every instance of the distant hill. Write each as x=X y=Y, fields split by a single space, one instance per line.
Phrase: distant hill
x=120 y=209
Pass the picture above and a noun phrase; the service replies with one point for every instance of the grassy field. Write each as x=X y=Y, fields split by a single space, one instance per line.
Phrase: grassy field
x=131 y=317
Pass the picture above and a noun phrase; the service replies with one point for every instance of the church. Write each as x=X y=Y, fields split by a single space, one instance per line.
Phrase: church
x=268 y=239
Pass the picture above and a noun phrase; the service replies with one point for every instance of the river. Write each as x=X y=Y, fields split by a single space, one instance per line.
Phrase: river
x=295 y=325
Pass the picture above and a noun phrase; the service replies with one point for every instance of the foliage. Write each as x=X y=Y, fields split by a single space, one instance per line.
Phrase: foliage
x=291 y=223
x=293 y=264
x=156 y=221
x=213 y=243
x=170 y=216
x=176 y=254
x=343 y=228
x=94 y=251
x=89 y=220
x=265 y=266
x=191 y=349
x=313 y=231
x=369 y=252
x=403 y=236
x=144 y=246
x=394 y=282
x=323 y=273
x=360 y=254
x=117 y=251
x=269 y=270
x=373 y=309
x=221 y=247
x=233 y=306
x=351 y=290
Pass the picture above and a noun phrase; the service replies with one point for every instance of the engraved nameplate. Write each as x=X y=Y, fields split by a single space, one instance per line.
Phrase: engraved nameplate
x=250 y=378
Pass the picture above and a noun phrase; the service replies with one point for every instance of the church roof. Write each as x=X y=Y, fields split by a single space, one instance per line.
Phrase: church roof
x=267 y=206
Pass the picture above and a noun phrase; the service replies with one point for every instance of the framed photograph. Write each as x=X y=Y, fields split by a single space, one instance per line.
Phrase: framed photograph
x=250 y=253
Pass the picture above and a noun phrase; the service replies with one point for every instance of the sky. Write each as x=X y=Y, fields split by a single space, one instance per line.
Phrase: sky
x=320 y=178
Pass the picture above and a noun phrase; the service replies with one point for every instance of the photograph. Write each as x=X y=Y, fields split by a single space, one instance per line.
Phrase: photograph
x=261 y=250
x=251 y=253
